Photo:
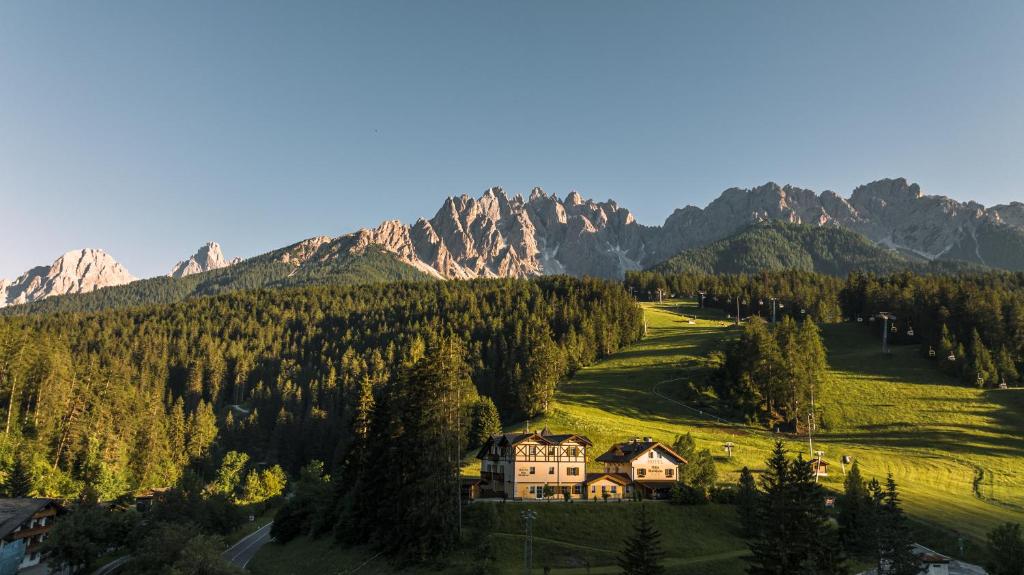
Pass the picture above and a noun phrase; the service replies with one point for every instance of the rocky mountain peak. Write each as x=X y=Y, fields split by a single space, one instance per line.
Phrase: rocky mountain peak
x=208 y=257
x=77 y=271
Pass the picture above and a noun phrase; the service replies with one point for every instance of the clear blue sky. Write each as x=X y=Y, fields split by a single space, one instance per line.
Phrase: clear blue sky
x=147 y=128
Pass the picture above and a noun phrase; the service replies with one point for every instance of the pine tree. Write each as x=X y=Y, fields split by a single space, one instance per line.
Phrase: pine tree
x=795 y=536
x=641 y=553
x=981 y=369
x=1008 y=371
x=1006 y=550
x=747 y=502
x=19 y=480
x=895 y=543
x=855 y=512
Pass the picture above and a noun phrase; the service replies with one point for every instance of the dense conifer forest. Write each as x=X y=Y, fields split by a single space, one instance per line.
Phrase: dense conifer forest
x=127 y=399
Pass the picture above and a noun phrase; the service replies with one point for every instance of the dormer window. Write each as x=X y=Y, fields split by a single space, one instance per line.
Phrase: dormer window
x=650 y=455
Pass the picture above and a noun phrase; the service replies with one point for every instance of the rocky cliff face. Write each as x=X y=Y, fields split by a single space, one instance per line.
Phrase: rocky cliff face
x=77 y=271
x=208 y=257
x=500 y=236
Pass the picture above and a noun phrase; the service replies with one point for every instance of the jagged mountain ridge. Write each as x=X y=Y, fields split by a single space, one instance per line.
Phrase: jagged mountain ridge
x=495 y=235
x=208 y=257
x=498 y=236
x=78 y=271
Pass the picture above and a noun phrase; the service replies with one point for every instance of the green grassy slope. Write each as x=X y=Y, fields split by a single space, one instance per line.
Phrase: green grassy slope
x=957 y=453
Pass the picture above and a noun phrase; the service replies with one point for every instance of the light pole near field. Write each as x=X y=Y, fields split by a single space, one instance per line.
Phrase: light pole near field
x=886 y=317
x=528 y=516
x=775 y=304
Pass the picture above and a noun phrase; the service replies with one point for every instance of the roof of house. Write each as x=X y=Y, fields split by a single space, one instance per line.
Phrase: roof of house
x=620 y=478
x=544 y=436
x=14 y=512
x=630 y=450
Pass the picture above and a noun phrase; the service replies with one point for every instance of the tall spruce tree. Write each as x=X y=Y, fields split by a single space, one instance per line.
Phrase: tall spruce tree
x=19 y=479
x=641 y=553
x=856 y=517
x=747 y=503
x=895 y=543
x=795 y=536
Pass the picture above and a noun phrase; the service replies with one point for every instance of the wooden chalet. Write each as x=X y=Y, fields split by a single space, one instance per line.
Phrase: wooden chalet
x=651 y=467
x=25 y=522
x=533 y=465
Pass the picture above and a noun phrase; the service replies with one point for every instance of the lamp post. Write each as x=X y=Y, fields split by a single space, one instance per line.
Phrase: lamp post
x=528 y=516
x=886 y=317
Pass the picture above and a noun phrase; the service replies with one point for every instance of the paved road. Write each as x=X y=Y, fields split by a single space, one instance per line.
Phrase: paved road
x=242 y=552
x=113 y=565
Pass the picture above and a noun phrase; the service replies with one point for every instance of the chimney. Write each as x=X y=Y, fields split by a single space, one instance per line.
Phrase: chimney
x=634 y=440
x=648 y=440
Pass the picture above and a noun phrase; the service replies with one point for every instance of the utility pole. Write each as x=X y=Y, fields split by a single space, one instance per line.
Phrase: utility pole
x=774 y=302
x=528 y=516
x=737 y=311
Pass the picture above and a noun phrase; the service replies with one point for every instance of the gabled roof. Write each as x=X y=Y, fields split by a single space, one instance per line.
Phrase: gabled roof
x=630 y=450
x=14 y=512
x=545 y=437
x=620 y=478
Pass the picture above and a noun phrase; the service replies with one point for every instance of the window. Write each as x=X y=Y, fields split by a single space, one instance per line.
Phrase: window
x=532 y=489
x=572 y=471
x=533 y=450
x=650 y=455
x=604 y=488
x=593 y=489
x=574 y=451
x=551 y=470
x=614 y=489
x=576 y=489
x=669 y=472
x=551 y=452
x=641 y=472
x=533 y=470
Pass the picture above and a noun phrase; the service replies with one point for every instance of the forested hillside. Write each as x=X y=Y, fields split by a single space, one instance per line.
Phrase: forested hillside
x=269 y=270
x=126 y=399
x=972 y=325
x=777 y=246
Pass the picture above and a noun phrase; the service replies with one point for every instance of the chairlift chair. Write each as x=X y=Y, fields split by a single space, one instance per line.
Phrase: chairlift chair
x=931 y=351
x=893 y=328
x=951 y=357
x=860 y=319
x=910 y=332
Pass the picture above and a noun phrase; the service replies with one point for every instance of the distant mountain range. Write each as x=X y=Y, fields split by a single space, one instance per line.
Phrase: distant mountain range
x=500 y=236
x=778 y=246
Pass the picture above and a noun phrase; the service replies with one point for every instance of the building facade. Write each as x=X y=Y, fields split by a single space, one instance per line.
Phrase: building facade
x=534 y=465
x=541 y=465
x=25 y=523
x=652 y=468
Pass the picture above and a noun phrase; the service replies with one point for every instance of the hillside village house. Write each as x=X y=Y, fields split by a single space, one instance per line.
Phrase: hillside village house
x=649 y=466
x=521 y=465
x=535 y=465
x=25 y=523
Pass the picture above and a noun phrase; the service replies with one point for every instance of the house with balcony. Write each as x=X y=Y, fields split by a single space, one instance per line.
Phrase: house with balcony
x=25 y=523
x=534 y=465
x=651 y=467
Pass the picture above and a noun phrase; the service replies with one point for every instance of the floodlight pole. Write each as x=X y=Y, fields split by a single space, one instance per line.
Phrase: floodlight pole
x=528 y=516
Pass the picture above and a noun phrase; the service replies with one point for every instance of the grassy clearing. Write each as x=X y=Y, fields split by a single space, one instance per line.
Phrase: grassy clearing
x=957 y=452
